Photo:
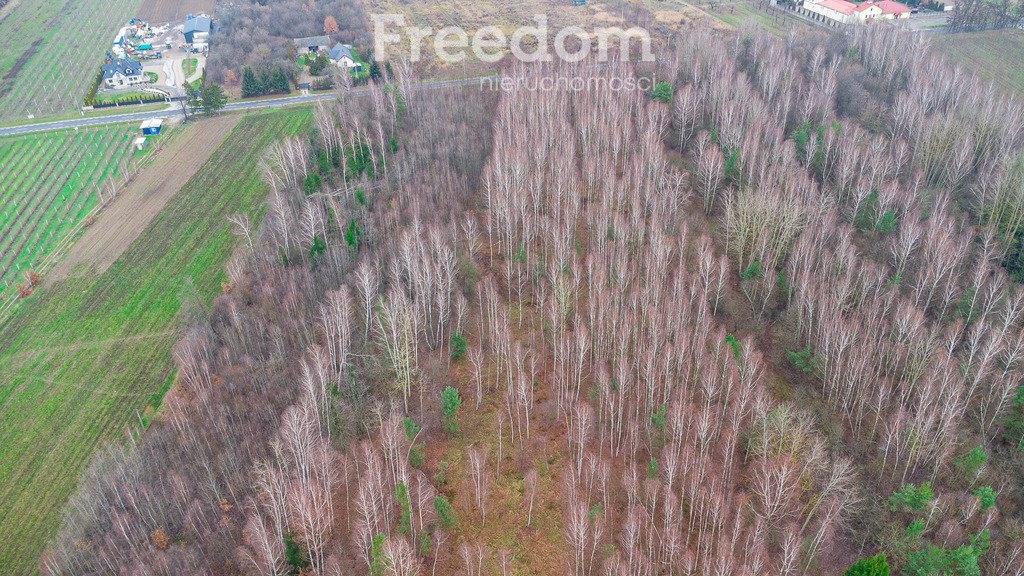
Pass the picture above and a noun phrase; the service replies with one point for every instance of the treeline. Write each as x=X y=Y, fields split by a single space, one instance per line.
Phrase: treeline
x=259 y=34
x=273 y=81
x=971 y=15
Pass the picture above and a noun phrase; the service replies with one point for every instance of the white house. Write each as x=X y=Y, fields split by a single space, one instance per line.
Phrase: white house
x=341 y=56
x=122 y=73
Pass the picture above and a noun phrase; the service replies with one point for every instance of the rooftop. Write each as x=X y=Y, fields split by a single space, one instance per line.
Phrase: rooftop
x=341 y=51
x=312 y=42
x=125 y=66
x=891 y=7
x=199 y=23
x=839 y=6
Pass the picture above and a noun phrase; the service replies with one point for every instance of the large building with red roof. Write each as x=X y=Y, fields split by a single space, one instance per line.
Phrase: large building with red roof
x=844 y=12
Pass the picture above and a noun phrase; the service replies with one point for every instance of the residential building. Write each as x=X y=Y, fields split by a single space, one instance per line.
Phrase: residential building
x=893 y=10
x=341 y=56
x=122 y=72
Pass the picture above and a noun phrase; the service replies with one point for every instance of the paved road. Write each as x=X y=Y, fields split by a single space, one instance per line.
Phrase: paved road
x=233 y=106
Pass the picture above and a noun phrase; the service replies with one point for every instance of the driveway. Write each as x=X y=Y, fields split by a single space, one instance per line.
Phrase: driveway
x=929 y=21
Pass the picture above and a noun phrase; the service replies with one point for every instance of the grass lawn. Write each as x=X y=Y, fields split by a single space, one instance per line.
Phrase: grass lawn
x=123 y=96
x=78 y=361
x=189 y=65
x=742 y=14
x=994 y=55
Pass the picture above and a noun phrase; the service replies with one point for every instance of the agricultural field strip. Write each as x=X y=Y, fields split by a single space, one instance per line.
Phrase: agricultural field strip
x=57 y=75
x=26 y=208
x=994 y=55
x=83 y=199
x=21 y=26
x=57 y=404
x=50 y=198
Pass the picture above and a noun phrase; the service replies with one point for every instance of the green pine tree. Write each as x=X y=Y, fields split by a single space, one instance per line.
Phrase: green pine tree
x=874 y=566
x=250 y=84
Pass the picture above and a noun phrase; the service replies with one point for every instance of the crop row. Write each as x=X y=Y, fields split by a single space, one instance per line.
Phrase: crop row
x=57 y=74
x=50 y=183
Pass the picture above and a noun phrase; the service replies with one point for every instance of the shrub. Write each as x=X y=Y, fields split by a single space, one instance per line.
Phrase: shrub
x=458 y=346
x=662 y=92
x=450 y=402
x=986 y=497
x=911 y=496
x=874 y=566
x=444 y=512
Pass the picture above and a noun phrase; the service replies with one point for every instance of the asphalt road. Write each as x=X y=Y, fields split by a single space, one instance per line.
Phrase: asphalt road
x=174 y=111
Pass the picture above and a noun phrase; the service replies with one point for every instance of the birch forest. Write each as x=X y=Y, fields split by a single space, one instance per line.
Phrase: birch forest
x=771 y=324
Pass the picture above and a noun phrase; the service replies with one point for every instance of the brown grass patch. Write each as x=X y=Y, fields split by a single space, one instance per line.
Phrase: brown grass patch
x=160 y=11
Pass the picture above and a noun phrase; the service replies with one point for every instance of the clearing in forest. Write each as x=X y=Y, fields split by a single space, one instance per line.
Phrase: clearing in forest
x=85 y=360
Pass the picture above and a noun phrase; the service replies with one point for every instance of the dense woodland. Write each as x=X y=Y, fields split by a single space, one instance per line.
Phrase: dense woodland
x=258 y=33
x=768 y=327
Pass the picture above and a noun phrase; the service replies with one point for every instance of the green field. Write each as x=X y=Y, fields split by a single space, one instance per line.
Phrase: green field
x=994 y=55
x=54 y=50
x=50 y=184
x=79 y=360
x=742 y=14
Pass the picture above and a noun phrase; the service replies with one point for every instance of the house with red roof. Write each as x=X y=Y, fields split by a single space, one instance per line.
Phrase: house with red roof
x=892 y=10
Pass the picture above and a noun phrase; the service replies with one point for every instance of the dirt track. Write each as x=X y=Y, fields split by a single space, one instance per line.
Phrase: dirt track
x=160 y=11
x=143 y=198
